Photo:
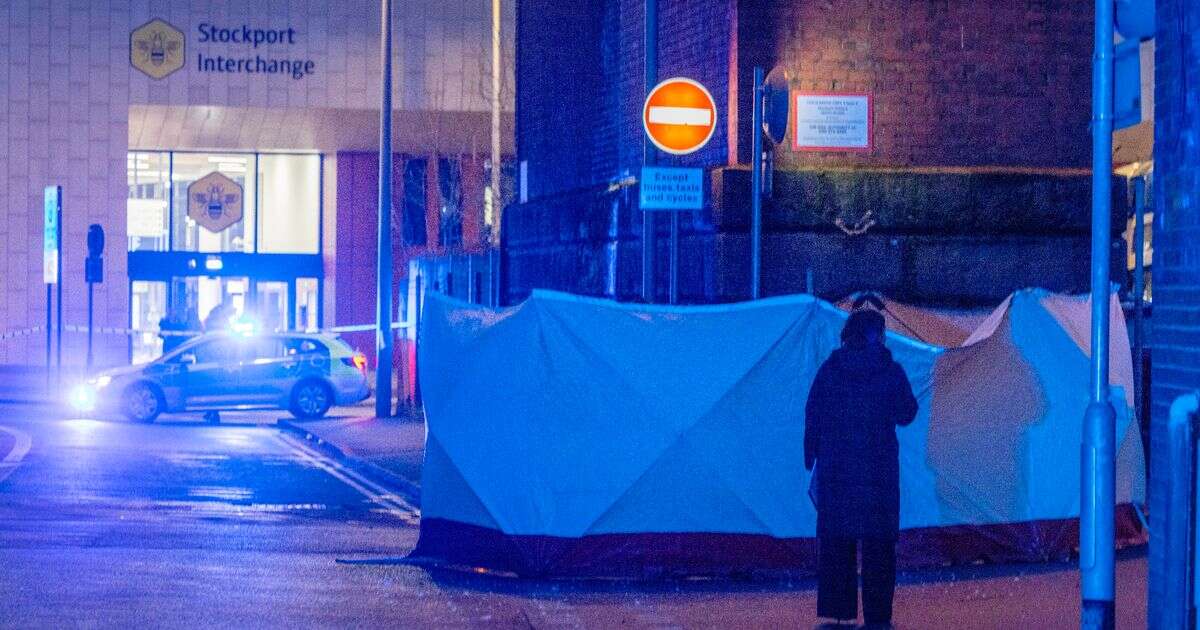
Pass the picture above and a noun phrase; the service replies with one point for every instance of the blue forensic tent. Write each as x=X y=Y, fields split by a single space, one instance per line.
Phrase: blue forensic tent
x=578 y=436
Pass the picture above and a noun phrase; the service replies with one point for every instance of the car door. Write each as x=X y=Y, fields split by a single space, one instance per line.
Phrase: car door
x=214 y=378
x=266 y=371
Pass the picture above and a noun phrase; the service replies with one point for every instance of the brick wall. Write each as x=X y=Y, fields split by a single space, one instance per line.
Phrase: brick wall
x=954 y=82
x=1175 y=335
x=979 y=106
x=581 y=83
x=351 y=256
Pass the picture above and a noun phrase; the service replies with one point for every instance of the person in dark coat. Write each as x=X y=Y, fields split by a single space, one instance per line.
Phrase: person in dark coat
x=859 y=397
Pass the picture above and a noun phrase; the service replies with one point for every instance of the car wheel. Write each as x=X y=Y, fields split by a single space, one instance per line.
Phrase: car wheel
x=142 y=402
x=311 y=399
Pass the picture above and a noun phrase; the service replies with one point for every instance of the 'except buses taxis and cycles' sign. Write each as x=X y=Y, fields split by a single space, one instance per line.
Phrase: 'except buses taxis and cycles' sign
x=158 y=49
x=215 y=202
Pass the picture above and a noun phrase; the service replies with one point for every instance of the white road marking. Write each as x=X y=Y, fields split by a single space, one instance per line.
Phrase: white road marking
x=391 y=502
x=691 y=116
x=21 y=445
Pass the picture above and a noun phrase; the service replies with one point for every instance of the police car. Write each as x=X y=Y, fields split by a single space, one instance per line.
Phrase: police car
x=305 y=373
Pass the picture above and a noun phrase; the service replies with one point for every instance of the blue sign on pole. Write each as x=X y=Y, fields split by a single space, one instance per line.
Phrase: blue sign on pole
x=664 y=188
x=53 y=202
x=1127 y=85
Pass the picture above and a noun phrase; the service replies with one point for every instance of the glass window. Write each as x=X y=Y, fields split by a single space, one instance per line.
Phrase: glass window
x=306 y=303
x=450 y=185
x=146 y=207
x=190 y=236
x=147 y=308
x=271 y=305
x=305 y=347
x=414 y=202
x=289 y=203
x=263 y=348
x=218 y=351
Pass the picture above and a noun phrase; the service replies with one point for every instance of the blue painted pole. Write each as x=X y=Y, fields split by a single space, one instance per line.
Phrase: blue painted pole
x=756 y=167
x=1139 y=290
x=649 y=235
x=1096 y=536
x=383 y=315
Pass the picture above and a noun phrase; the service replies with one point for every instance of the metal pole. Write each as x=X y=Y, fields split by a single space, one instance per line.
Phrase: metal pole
x=91 y=286
x=1096 y=536
x=756 y=164
x=649 y=240
x=673 y=259
x=58 y=325
x=49 y=332
x=383 y=315
x=1139 y=289
x=497 y=203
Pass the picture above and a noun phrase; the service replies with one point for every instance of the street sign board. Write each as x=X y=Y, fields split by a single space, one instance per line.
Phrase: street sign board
x=215 y=201
x=679 y=116
x=51 y=206
x=664 y=188
x=776 y=99
x=832 y=122
x=1127 y=84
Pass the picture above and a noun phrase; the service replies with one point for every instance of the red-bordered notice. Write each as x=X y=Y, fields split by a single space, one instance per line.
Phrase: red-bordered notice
x=831 y=122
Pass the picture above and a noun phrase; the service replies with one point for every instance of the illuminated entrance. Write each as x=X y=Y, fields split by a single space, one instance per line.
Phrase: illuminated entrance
x=252 y=241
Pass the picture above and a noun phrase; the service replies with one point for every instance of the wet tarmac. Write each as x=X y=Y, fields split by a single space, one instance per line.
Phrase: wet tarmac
x=181 y=523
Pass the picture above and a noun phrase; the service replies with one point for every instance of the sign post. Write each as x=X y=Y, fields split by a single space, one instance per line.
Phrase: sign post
x=649 y=157
x=679 y=117
x=51 y=259
x=769 y=115
x=93 y=272
x=756 y=166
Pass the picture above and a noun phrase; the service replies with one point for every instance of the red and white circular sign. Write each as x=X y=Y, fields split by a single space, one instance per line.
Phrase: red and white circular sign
x=679 y=116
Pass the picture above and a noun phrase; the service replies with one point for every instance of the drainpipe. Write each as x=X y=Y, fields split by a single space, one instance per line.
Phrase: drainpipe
x=1168 y=605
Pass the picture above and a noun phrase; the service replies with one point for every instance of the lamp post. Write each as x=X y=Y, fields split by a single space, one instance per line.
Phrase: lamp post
x=383 y=315
x=1096 y=516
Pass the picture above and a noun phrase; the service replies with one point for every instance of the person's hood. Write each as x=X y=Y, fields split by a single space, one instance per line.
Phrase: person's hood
x=862 y=359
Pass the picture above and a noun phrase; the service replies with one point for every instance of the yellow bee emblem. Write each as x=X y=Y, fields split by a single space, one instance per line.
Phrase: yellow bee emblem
x=156 y=48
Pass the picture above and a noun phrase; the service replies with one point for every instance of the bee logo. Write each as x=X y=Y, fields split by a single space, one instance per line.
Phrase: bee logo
x=215 y=202
x=156 y=48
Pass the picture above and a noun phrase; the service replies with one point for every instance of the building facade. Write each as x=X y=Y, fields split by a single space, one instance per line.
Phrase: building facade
x=974 y=148
x=1175 y=328
x=229 y=151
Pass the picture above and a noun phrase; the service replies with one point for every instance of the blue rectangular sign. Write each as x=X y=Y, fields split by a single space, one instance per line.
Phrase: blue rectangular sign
x=665 y=188
x=53 y=202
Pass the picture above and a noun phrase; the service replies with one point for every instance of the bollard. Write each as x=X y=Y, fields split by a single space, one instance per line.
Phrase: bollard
x=1171 y=603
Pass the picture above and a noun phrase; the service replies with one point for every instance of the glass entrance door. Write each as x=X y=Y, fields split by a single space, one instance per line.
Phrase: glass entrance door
x=271 y=305
x=147 y=308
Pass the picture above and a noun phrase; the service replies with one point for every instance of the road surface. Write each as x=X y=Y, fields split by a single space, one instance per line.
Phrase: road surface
x=179 y=523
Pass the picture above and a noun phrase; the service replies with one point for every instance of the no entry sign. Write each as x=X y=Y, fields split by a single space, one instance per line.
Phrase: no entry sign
x=679 y=116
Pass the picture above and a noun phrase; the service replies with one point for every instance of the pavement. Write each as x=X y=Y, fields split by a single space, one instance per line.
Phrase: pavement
x=252 y=523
